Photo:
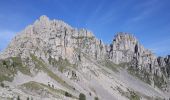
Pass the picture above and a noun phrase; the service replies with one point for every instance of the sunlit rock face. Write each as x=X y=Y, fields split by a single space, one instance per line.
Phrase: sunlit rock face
x=125 y=48
x=58 y=44
x=55 y=38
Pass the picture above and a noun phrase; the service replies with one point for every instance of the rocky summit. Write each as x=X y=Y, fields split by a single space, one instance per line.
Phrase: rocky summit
x=51 y=60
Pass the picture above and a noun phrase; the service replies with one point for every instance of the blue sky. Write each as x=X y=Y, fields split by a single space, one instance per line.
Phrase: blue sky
x=148 y=20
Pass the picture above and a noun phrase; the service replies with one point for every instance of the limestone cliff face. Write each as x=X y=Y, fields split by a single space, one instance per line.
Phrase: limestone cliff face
x=164 y=64
x=125 y=48
x=56 y=39
x=122 y=48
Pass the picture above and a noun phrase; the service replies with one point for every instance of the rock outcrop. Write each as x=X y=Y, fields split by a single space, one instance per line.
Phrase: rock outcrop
x=125 y=48
x=58 y=44
x=54 y=38
x=57 y=39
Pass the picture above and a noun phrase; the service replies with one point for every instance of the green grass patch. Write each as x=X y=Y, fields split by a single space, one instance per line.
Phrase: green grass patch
x=109 y=64
x=9 y=68
x=32 y=86
x=5 y=78
x=41 y=65
x=17 y=62
x=123 y=65
x=35 y=86
x=62 y=64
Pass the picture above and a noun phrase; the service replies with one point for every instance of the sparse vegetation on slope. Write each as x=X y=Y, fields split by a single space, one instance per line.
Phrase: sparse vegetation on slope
x=17 y=62
x=41 y=65
x=159 y=81
x=50 y=47
x=129 y=94
x=10 y=66
x=34 y=86
x=109 y=64
x=62 y=64
x=146 y=77
x=141 y=74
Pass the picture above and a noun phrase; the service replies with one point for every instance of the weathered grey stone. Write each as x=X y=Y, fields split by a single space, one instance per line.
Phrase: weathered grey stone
x=56 y=39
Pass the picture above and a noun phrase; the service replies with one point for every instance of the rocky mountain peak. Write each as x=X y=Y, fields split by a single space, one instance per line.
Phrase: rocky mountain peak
x=54 y=38
x=53 y=45
x=123 y=48
x=125 y=36
x=44 y=18
x=124 y=41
